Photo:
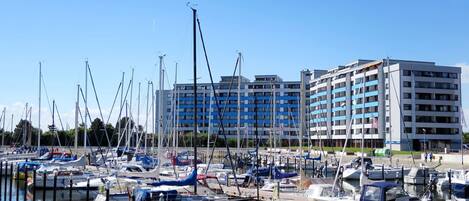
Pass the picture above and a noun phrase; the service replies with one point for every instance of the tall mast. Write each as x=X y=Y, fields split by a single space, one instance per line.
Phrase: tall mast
x=274 y=114
x=39 y=110
x=302 y=120
x=389 y=109
x=194 y=135
x=77 y=107
x=238 y=131
x=160 y=113
x=86 y=102
x=153 y=103
x=119 y=133
x=24 y=125
x=137 y=139
x=3 y=127
x=174 y=96
x=146 y=119
x=129 y=124
x=362 y=175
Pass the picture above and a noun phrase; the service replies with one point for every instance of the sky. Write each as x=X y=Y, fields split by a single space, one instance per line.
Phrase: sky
x=275 y=37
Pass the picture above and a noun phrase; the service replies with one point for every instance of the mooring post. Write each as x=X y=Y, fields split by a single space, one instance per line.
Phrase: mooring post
x=6 y=181
x=107 y=192
x=382 y=171
x=71 y=186
x=402 y=176
x=10 y=194
x=424 y=176
x=1 y=177
x=54 y=197
x=17 y=181
x=25 y=182
x=34 y=185
x=450 y=185
x=325 y=169
x=44 y=179
x=295 y=163
x=87 y=188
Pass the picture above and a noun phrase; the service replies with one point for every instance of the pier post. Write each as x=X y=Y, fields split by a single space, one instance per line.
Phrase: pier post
x=295 y=164
x=402 y=176
x=71 y=186
x=1 y=177
x=382 y=171
x=107 y=192
x=424 y=176
x=6 y=179
x=17 y=181
x=11 y=182
x=450 y=185
x=288 y=163
x=25 y=182
x=34 y=185
x=54 y=196
x=314 y=170
x=87 y=189
x=325 y=169
x=44 y=179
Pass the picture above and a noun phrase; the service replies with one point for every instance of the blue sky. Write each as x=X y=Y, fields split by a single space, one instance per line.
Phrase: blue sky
x=276 y=37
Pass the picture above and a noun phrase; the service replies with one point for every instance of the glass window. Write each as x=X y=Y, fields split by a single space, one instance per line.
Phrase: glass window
x=372 y=193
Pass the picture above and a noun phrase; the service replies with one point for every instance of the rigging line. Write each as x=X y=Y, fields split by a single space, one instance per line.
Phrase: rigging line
x=99 y=107
x=47 y=95
x=122 y=107
x=402 y=116
x=88 y=138
x=58 y=114
x=114 y=102
x=221 y=113
x=218 y=106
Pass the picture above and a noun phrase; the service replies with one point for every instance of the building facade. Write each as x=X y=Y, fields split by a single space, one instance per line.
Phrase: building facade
x=277 y=107
x=396 y=103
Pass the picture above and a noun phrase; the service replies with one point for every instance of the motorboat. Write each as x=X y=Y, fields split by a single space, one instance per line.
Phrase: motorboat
x=419 y=175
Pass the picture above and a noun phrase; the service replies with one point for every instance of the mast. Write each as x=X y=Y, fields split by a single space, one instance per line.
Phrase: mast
x=194 y=135
x=238 y=131
x=362 y=174
x=86 y=102
x=389 y=109
x=153 y=103
x=77 y=107
x=137 y=139
x=302 y=119
x=257 y=144
x=146 y=119
x=129 y=124
x=174 y=106
x=24 y=125
x=3 y=127
x=160 y=113
x=39 y=110
x=120 y=113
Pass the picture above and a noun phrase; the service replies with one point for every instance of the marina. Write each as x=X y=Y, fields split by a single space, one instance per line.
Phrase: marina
x=381 y=129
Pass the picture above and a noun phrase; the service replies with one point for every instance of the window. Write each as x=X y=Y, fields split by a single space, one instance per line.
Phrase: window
x=372 y=193
x=407 y=118
x=406 y=73
x=408 y=130
x=407 y=95
x=407 y=107
x=407 y=84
